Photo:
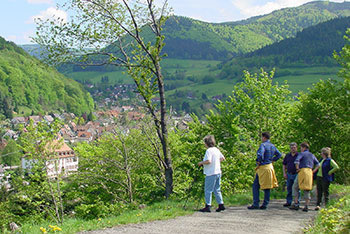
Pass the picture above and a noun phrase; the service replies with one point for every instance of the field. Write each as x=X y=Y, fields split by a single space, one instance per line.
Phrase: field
x=196 y=81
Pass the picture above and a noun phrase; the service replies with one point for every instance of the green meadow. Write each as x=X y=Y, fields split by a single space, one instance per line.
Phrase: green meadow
x=187 y=76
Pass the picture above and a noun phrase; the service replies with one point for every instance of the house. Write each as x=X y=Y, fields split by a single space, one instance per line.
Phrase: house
x=135 y=115
x=48 y=118
x=127 y=108
x=84 y=136
x=19 y=120
x=64 y=162
x=35 y=118
x=6 y=178
x=10 y=134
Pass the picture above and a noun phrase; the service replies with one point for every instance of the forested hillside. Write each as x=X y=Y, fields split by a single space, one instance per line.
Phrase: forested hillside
x=26 y=85
x=186 y=38
x=312 y=46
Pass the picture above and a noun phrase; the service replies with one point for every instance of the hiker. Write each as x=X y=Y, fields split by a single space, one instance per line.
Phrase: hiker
x=325 y=176
x=212 y=170
x=290 y=172
x=265 y=177
x=306 y=164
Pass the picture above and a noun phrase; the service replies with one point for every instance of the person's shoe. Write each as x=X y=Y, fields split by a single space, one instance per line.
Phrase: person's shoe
x=253 y=207
x=306 y=209
x=220 y=208
x=205 y=209
x=294 y=207
x=286 y=204
x=263 y=207
x=317 y=207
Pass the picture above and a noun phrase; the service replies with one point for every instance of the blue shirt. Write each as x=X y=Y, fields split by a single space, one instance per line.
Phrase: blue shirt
x=288 y=161
x=306 y=160
x=267 y=153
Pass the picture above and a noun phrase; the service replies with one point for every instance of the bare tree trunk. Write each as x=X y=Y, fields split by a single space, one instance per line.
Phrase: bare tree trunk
x=164 y=135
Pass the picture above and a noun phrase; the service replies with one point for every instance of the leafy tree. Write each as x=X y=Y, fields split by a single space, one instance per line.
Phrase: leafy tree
x=323 y=114
x=122 y=168
x=343 y=58
x=11 y=154
x=39 y=144
x=256 y=105
x=99 y=23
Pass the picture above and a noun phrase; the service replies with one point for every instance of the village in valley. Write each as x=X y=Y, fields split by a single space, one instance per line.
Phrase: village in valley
x=76 y=129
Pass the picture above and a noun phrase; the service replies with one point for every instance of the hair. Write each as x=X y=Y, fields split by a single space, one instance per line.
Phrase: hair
x=266 y=135
x=305 y=145
x=209 y=140
x=326 y=151
x=293 y=144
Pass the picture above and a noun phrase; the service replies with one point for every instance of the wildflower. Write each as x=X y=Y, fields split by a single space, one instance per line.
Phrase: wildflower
x=99 y=219
x=43 y=230
x=57 y=229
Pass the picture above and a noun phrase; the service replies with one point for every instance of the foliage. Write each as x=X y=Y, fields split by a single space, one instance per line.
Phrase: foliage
x=40 y=144
x=334 y=218
x=117 y=171
x=327 y=104
x=97 y=24
x=255 y=105
x=343 y=58
x=11 y=154
x=26 y=82
x=311 y=46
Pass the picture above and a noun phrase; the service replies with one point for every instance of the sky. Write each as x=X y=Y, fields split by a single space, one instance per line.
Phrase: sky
x=17 y=16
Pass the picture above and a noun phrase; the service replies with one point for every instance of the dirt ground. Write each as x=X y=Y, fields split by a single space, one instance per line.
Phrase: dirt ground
x=276 y=219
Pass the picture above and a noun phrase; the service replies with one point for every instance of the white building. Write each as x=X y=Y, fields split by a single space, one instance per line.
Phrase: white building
x=65 y=163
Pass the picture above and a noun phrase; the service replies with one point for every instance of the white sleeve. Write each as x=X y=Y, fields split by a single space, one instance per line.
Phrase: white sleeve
x=221 y=155
x=207 y=156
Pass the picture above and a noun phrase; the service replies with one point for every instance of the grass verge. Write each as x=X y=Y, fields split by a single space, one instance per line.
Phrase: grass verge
x=157 y=211
x=335 y=218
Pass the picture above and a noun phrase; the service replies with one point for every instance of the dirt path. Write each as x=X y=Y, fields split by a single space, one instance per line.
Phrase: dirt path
x=276 y=219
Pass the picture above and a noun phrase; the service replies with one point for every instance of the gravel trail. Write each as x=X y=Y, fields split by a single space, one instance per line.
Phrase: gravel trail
x=276 y=219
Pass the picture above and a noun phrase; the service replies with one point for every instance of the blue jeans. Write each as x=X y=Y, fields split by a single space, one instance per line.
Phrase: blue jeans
x=290 y=182
x=256 y=193
x=212 y=184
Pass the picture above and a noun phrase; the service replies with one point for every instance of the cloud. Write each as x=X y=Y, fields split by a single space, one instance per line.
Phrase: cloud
x=11 y=38
x=50 y=13
x=39 y=1
x=250 y=8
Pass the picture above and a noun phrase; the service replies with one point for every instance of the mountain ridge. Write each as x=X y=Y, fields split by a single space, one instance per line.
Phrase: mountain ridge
x=26 y=84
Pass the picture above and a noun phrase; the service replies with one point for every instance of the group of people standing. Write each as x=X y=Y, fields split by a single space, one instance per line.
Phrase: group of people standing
x=299 y=170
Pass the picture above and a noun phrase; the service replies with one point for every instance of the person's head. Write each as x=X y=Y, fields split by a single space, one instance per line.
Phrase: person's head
x=304 y=146
x=326 y=152
x=293 y=147
x=209 y=141
x=265 y=136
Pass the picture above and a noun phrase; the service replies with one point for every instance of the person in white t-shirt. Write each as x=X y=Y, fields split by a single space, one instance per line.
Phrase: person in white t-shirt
x=212 y=170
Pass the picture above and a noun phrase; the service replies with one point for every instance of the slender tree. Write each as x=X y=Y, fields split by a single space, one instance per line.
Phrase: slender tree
x=103 y=32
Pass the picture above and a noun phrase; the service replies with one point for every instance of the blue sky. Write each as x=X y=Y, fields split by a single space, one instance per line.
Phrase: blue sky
x=17 y=24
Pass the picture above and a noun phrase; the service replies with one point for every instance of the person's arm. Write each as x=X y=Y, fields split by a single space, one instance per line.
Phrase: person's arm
x=222 y=158
x=206 y=160
x=260 y=154
x=297 y=162
x=277 y=155
x=335 y=167
x=316 y=168
x=316 y=164
x=284 y=171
